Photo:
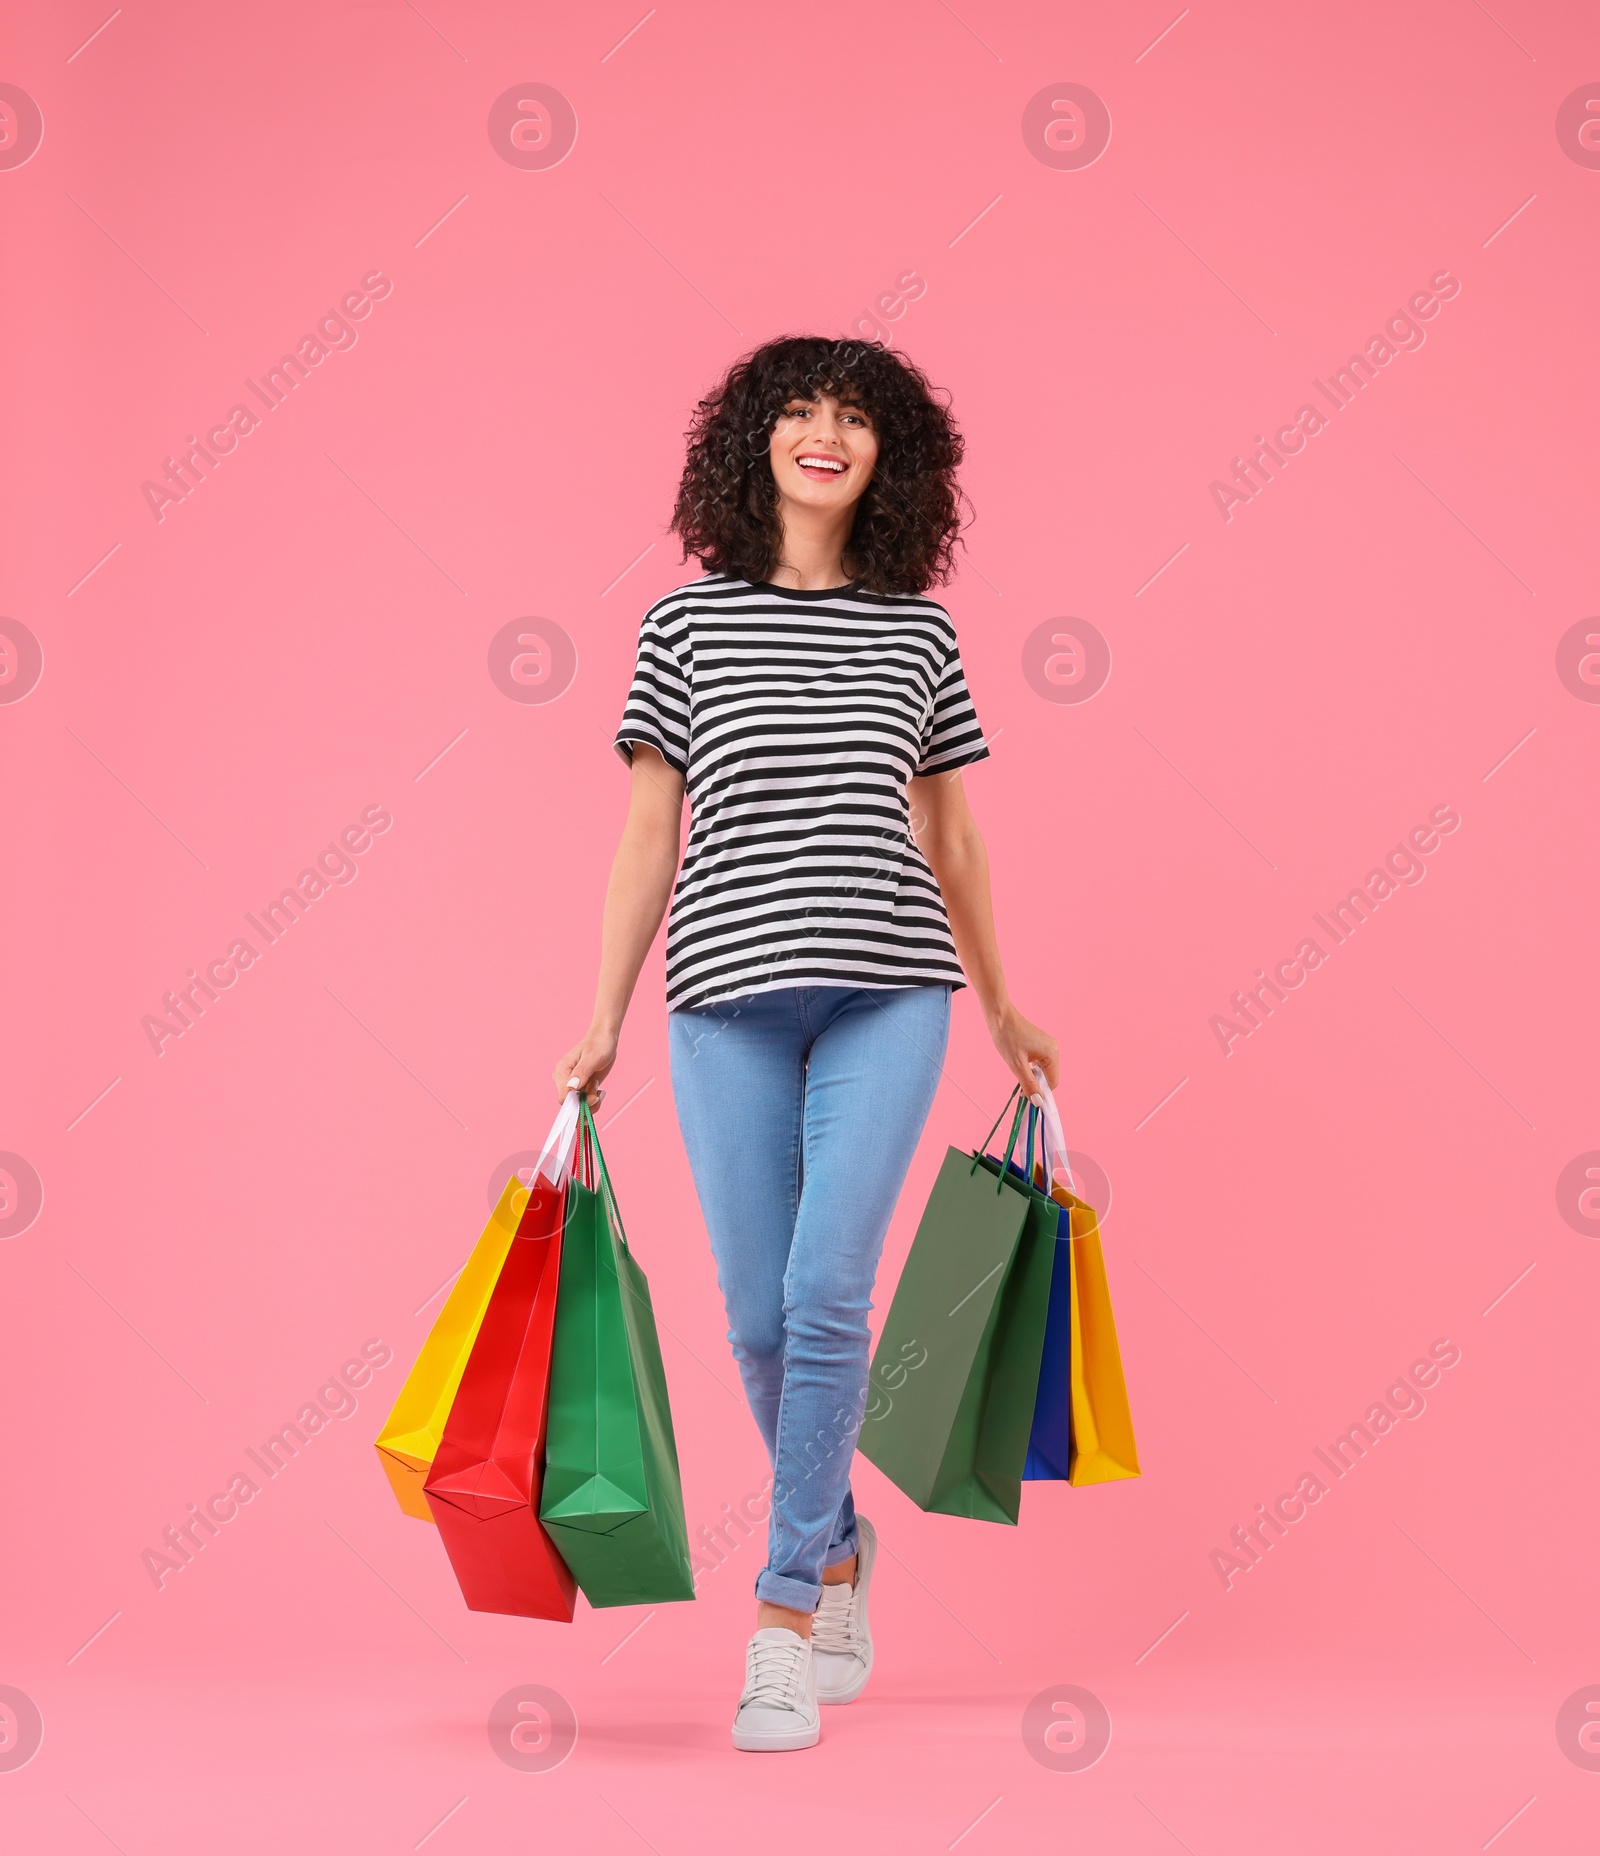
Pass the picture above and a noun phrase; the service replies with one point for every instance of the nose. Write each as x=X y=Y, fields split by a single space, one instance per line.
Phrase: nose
x=827 y=428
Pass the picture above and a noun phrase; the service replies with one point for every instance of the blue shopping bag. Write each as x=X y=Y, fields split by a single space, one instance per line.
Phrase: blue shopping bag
x=1049 y=1457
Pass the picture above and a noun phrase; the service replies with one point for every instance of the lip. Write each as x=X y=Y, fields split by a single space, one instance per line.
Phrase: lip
x=820 y=473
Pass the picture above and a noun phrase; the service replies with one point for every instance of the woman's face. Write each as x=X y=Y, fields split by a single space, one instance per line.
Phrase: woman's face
x=822 y=453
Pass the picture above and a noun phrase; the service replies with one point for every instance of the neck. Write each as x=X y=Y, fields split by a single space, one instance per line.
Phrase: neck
x=811 y=553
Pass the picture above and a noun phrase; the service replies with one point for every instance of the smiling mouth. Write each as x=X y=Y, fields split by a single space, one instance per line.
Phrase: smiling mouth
x=821 y=469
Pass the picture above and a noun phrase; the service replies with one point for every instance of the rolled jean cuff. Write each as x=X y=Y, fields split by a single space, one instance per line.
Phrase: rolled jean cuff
x=772 y=1588
x=836 y=1556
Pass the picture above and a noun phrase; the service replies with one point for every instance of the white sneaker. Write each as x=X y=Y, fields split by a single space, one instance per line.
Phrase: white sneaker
x=841 y=1639
x=778 y=1709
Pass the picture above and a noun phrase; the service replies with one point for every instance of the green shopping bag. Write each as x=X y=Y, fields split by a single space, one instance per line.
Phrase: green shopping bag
x=956 y=1371
x=612 y=1499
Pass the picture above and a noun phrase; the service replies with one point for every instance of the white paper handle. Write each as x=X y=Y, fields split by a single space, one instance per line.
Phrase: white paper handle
x=557 y=1155
x=1055 y=1142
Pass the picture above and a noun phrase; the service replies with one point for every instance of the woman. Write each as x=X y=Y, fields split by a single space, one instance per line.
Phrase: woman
x=810 y=700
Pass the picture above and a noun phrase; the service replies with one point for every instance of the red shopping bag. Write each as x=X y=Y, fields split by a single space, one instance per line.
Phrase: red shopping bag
x=483 y=1489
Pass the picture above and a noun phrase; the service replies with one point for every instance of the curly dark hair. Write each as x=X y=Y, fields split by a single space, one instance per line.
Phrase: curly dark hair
x=907 y=521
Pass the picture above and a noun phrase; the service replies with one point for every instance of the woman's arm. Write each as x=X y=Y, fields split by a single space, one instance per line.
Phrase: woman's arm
x=947 y=835
x=636 y=899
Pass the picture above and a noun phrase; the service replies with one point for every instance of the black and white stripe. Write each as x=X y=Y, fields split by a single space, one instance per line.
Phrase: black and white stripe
x=797 y=719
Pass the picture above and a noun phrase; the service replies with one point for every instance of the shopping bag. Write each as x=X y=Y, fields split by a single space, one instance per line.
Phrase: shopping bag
x=1049 y=1456
x=1102 y=1426
x=612 y=1498
x=410 y=1437
x=955 y=1375
x=1103 y=1447
x=483 y=1487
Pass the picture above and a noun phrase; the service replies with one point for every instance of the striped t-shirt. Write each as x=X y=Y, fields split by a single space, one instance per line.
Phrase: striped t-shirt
x=797 y=719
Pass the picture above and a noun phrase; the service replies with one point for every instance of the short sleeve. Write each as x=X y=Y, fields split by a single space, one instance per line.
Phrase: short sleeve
x=657 y=709
x=951 y=736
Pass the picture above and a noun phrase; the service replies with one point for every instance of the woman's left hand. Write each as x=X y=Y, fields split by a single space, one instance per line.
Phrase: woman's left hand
x=1021 y=1043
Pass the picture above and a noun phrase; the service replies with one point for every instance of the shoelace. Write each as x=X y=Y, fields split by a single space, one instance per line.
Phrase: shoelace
x=773 y=1679
x=832 y=1624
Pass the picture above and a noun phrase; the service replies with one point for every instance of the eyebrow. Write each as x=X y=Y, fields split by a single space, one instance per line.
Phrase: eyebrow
x=843 y=399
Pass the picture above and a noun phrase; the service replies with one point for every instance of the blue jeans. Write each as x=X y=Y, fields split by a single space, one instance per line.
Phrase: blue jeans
x=800 y=1110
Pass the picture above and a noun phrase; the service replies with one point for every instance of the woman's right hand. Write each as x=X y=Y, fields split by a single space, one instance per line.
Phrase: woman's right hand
x=588 y=1064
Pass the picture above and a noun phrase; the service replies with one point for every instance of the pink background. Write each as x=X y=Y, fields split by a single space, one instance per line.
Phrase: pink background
x=226 y=689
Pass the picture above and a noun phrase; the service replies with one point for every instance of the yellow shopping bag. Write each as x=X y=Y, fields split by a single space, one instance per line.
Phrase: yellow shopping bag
x=409 y=1440
x=1102 y=1425
x=1103 y=1449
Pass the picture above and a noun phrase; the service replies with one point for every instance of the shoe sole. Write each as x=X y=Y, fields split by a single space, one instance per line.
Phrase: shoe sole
x=869 y=1558
x=791 y=1741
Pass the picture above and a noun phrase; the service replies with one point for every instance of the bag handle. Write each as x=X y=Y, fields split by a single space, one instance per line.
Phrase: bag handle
x=1056 y=1158
x=591 y=1137
x=1016 y=1128
x=984 y=1145
x=556 y=1159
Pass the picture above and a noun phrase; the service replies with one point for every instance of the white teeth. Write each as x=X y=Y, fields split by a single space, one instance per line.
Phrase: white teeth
x=822 y=464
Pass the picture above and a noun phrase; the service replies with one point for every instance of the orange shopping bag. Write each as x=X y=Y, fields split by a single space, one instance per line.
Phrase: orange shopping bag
x=1103 y=1447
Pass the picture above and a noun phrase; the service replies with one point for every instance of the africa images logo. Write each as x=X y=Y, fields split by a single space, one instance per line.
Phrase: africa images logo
x=1252 y=1540
x=532 y=1728
x=21 y=1194
x=21 y=127
x=1066 y=1728
x=1578 y=126
x=203 y=1523
x=1578 y=660
x=532 y=660
x=532 y=126
x=1066 y=126
x=336 y=866
x=21 y=1729
x=191 y=467
x=1255 y=470
x=21 y=660
x=1404 y=865
x=1066 y=660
